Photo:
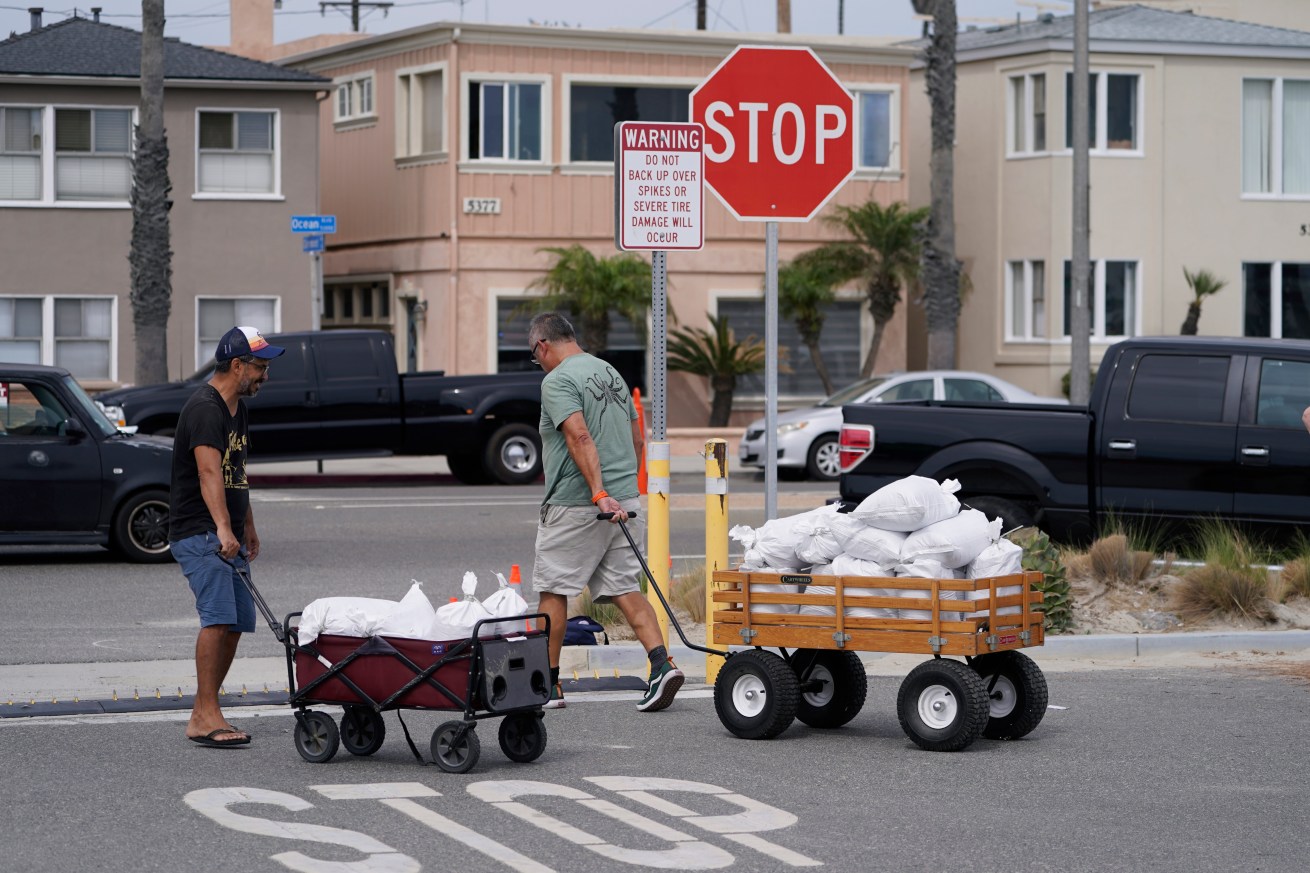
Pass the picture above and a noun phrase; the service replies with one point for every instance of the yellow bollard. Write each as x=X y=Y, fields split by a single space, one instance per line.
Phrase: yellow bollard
x=716 y=538
x=657 y=528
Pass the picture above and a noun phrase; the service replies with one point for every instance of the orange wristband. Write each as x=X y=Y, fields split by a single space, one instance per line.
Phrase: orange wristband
x=598 y=495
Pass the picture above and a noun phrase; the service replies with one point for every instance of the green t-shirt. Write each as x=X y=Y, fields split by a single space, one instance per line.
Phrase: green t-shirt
x=584 y=382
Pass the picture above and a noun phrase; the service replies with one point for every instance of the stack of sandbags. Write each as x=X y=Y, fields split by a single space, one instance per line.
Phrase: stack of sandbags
x=367 y=616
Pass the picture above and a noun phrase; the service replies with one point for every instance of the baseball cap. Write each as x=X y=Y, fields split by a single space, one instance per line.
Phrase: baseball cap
x=246 y=340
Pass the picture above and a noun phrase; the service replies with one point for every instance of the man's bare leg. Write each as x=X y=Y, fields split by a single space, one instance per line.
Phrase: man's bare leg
x=216 y=647
x=555 y=606
x=641 y=618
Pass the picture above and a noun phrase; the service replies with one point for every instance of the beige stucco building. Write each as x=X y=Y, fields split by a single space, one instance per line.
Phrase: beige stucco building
x=453 y=153
x=242 y=139
x=1200 y=160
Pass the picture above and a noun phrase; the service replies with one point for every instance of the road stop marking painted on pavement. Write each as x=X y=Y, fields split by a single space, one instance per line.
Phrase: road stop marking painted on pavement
x=742 y=823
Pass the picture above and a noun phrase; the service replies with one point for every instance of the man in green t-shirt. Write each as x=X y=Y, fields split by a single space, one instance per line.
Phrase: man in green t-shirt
x=591 y=446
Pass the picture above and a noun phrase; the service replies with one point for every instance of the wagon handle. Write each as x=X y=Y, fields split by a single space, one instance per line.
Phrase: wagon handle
x=262 y=605
x=606 y=516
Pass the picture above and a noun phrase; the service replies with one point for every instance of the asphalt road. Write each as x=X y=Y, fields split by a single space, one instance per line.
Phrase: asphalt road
x=1180 y=770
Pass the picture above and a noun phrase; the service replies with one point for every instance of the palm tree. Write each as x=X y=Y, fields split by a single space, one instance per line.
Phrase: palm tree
x=941 y=268
x=883 y=256
x=150 y=257
x=588 y=287
x=1203 y=283
x=806 y=288
x=717 y=356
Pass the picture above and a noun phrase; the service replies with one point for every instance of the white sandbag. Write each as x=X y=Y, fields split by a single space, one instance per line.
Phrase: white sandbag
x=824 y=532
x=411 y=618
x=847 y=565
x=927 y=568
x=1001 y=558
x=505 y=601
x=877 y=545
x=457 y=619
x=771 y=588
x=953 y=542
x=909 y=504
x=344 y=616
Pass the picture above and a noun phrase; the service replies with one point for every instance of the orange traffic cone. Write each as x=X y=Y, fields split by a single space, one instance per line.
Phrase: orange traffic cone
x=516 y=578
x=641 y=421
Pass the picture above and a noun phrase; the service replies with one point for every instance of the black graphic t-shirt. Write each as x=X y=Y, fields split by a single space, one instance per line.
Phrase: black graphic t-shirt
x=205 y=421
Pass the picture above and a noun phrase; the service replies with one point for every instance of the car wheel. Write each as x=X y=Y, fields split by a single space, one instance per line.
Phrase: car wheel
x=1012 y=515
x=824 y=460
x=468 y=469
x=513 y=456
x=140 y=531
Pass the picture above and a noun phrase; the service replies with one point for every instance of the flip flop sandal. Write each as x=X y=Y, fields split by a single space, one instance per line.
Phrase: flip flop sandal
x=208 y=739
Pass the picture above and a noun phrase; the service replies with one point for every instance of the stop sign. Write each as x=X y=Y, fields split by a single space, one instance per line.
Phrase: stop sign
x=779 y=132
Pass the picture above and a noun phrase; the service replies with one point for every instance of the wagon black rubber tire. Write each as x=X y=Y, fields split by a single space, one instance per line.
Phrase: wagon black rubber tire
x=317 y=738
x=522 y=736
x=513 y=455
x=824 y=453
x=1012 y=514
x=756 y=695
x=942 y=705
x=140 y=531
x=362 y=730
x=1016 y=693
x=467 y=468
x=455 y=756
x=843 y=693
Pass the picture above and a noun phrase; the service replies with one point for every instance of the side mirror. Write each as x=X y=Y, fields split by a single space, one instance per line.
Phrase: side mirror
x=71 y=427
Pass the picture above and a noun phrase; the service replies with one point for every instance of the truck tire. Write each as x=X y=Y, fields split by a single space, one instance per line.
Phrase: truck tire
x=513 y=455
x=1012 y=514
x=467 y=468
x=140 y=528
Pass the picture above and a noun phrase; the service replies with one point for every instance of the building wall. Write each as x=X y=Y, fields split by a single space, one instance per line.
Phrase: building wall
x=220 y=247
x=407 y=222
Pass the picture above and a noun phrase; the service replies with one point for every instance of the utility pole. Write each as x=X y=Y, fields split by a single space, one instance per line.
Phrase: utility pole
x=1080 y=314
x=784 y=16
x=354 y=9
x=841 y=17
x=700 y=13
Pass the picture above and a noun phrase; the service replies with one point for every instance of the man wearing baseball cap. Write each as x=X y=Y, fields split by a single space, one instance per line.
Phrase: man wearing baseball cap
x=211 y=528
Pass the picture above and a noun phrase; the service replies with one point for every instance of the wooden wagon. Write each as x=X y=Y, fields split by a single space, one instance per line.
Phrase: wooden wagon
x=816 y=676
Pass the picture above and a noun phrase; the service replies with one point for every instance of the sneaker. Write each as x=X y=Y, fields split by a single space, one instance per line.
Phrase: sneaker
x=665 y=680
x=556 y=698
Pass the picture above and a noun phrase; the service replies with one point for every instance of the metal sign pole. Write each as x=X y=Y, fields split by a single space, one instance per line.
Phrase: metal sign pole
x=316 y=277
x=658 y=347
x=770 y=370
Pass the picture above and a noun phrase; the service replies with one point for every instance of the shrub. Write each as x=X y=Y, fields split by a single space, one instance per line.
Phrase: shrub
x=1295 y=577
x=1114 y=562
x=1040 y=554
x=1230 y=583
x=687 y=593
x=607 y=614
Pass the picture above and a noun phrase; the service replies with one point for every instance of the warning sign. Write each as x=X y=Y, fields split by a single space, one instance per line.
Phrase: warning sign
x=659 y=173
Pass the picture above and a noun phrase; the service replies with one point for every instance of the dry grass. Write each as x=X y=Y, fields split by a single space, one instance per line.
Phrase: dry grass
x=1230 y=583
x=607 y=614
x=688 y=593
x=1113 y=561
x=1295 y=579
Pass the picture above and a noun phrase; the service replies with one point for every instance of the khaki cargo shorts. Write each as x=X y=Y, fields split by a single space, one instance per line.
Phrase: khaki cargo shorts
x=575 y=550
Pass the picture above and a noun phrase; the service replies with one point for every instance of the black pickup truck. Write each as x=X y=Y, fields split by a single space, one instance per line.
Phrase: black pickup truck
x=69 y=476
x=337 y=394
x=1177 y=429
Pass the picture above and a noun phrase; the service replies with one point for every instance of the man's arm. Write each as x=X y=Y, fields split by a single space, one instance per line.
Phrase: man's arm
x=583 y=452
x=209 y=463
x=252 y=537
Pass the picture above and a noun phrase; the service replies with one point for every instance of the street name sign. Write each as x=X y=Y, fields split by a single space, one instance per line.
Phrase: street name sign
x=313 y=224
x=779 y=132
x=311 y=242
x=659 y=195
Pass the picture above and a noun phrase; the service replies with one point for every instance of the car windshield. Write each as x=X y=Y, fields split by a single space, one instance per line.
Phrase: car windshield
x=851 y=392
x=94 y=417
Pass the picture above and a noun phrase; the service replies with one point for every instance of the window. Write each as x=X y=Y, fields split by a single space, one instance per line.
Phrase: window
x=595 y=109
x=1027 y=107
x=76 y=333
x=354 y=97
x=877 y=128
x=362 y=304
x=31 y=410
x=1114 y=112
x=971 y=391
x=1284 y=393
x=505 y=121
x=216 y=316
x=93 y=149
x=1115 y=290
x=1178 y=388
x=1027 y=300
x=20 y=153
x=420 y=113
x=1276 y=137
x=236 y=152
x=916 y=389
x=625 y=347
x=840 y=342
x=1276 y=300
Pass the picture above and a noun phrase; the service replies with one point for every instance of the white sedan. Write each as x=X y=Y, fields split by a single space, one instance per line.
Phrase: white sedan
x=807 y=438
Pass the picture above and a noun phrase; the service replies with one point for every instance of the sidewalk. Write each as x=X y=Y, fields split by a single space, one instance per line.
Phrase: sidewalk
x=63 y=689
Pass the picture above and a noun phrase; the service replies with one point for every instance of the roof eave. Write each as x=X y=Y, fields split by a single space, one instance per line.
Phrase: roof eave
x=1128 y=47
x=135 y=82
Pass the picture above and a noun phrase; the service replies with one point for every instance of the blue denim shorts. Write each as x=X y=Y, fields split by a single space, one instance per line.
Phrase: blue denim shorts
x=221 y=597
